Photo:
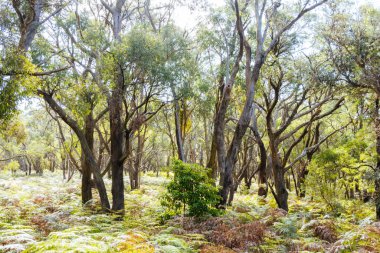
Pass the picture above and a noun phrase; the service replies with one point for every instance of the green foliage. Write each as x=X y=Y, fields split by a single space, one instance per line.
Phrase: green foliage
x=12 y=166
x=14 y=131
x=334 y=171
x=140 y=51
x=170 y=244
x=14 y=87
x=191 y=191
x=287 y=226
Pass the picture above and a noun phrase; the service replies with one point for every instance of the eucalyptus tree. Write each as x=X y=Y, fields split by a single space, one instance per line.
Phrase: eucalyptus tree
x=268 y=30
x=74 y=95
x=217 y=45
x=144 y=81
x=138 y=71
x=83 y=128
x=117 y=14
x=291 y=105
x=353 y=44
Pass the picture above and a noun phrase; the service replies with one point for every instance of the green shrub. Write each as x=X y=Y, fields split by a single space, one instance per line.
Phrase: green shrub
x=190 y=192
x=287 y=226
x=12 y=166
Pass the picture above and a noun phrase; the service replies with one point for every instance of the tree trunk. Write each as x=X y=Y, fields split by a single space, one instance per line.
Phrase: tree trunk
x=134 y=178
x=232 y=192
x=63 y=165
x=117 y=137
x=212 y=164
x=240 y=130
x=115 y=105
x=178 y=132
x=86 y=167
x=288 y=184
x=262 y=178
x=377 y=172
x=134 y=173
x=280 y=186
x=301 y=181
x=281 y=194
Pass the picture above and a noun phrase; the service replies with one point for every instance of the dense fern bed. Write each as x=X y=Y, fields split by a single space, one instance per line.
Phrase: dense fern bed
x=44 y=214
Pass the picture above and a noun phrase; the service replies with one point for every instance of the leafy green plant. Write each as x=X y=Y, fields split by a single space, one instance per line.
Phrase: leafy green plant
x=12 y=166
x=287 y=226
x=190 y=192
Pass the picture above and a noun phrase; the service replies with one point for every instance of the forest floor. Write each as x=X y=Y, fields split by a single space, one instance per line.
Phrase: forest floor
x=44 y=214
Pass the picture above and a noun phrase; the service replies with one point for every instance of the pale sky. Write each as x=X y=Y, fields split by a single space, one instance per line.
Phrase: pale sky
x=188 y=19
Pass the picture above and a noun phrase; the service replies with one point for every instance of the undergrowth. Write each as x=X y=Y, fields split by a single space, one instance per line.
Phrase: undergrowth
x=45 y=214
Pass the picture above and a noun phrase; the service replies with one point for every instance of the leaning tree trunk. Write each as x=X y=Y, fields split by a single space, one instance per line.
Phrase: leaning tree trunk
x=90 y=158
x=233 y=151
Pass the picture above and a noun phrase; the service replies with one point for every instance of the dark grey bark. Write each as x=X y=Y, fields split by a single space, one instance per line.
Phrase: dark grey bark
x=115 y=105
x=225 y=163
x=89 y=129
x=262 y=175
x=117 y=144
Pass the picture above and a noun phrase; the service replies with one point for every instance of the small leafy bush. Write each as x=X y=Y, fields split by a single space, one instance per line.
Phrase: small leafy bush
x=287 y=226
x=190 y=192
x=12 y=166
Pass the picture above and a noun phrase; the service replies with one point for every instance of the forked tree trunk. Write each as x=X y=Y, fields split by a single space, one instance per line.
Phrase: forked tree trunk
x=240 y=130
